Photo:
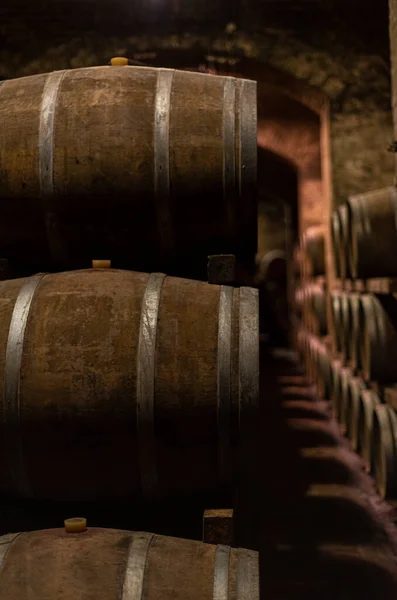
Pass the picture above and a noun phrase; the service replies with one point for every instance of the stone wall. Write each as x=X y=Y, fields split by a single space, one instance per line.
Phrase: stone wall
x=326 y=56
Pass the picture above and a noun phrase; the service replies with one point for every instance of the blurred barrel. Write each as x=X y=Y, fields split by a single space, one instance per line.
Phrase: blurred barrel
x=369 y=400
x=318 y=305
x=314 y=247
x=272 y=268
x=373 y=233
x=336 y=239
x=336 y=310
x=379 y=337
x=342 y=406
x=336 y=368
x=355 y=386
x=355 y=333
x=340 y=240
x=113 y=564
x=115 y=384
x=345 y=327
x=150 y=168
x=384 y=455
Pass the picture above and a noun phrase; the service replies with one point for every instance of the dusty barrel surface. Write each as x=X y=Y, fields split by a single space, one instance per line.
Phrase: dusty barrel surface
x=117 y=384
x=122 y=565
x=138 y=165
x=373 y=233
x=378 y=318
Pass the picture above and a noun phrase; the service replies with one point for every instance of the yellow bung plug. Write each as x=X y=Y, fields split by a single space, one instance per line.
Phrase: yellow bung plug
x=101 y=264
x=119 y=61
x=75 y=525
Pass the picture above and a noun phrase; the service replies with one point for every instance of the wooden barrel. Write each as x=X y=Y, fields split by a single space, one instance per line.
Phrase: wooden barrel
x=373 y=233
x=336 y=310
x=378 y=314
x=314 y=246
x=384 y=451
x=116 y=384
x=318 y=305
x=150 y=168
x=345 y=327
x=112 y=564
x=340 y=240
x=336 y=239
x=369 y=400
x=342 y=405
x=355 y=386
x=354 y=333
x=272 y=268
x=335 y=385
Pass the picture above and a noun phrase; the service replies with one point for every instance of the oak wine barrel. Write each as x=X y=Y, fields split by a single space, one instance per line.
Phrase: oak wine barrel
x=336 y=311
x=345 y=327
x=369 y=400
x=118 y=385
x=342 y=405
x=378 y=317
x=336 y=368
x=373 y=233
x=318 y=305
x=111 y=564
x=355 y=386
x=355 y=333
x=384 y=451
x=314 y=247
x=149 y=168
x=336 y=240
x=340 y=241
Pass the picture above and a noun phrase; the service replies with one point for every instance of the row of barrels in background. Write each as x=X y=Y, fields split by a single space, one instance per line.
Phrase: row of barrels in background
x=364 y=235
x=153 y=169
x=366 y=414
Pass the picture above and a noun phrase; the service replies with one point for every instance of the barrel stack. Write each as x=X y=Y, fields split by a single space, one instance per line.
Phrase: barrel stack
x=135 y=381
x=362 y=381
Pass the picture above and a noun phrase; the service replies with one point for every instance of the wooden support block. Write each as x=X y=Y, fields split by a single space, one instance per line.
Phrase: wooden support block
x=218 y=527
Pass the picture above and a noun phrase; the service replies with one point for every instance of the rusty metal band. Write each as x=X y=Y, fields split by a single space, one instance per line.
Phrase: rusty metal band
x=247 y=575
x=221 y=573
x=136 y=564
x=162 y=156
x=13 y=362
x=145 y=384
x=46 y=161
x=224 y=382
x=249 y=351
x=248 y=124
x=229 y=148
